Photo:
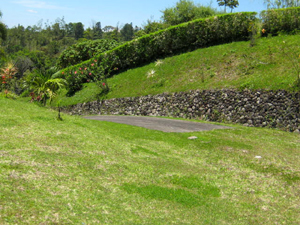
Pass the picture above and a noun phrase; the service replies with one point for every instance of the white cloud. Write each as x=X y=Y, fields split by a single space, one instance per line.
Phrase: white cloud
x=31 y=11
x=37 y=4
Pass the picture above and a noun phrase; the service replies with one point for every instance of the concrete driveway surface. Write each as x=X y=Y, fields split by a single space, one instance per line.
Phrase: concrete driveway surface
x=154 y=123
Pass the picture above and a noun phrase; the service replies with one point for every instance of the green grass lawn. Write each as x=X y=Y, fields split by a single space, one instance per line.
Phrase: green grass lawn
x=78 y=171
x=272 y=63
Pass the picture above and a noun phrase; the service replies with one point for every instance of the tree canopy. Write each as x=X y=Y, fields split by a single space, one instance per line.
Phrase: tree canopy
x=228 y=3
x=3 y=31
x=185 y=11
x=282 y=3
x=127 y=32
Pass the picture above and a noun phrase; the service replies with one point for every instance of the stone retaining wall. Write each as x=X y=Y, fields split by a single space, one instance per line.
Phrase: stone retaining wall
x=277 y=109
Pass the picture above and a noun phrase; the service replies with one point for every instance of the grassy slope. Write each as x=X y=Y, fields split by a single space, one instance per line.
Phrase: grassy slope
x=78 y=171
x=269 y=64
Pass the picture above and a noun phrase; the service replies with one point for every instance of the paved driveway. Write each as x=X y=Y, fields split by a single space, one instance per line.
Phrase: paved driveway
x=154 y=123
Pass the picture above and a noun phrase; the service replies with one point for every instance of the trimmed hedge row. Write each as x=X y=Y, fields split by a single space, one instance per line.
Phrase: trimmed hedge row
x=176 y=39
x=83 y=51
x=275 y=21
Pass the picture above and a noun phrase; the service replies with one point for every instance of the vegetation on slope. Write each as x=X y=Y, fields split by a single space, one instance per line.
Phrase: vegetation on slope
x=271 y=63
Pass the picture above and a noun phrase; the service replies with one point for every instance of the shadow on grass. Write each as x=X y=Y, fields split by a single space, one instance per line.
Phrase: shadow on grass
x=162 y=193
x=184 y=194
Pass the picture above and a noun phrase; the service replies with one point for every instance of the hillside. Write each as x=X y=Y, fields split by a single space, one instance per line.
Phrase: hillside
x=71 y=170
x=78 y=171
x=271 y=63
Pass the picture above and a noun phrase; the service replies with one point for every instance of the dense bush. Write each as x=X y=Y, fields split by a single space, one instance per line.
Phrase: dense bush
x=184 y=37
x=285 y=20
x=186 y=10
x=83 y=51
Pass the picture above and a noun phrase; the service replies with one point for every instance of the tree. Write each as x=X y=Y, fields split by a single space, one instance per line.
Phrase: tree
x=185 y=11
x=3 y=31
x=70 y=29
x=127 y=32
x=22 y=63
x=282 y=3
x=78 y=30
x=3 y=36
x=89 y=34
x=228 y=3
x=108 y=29
x=97 y=31
x=111 y=33
x=153 y=26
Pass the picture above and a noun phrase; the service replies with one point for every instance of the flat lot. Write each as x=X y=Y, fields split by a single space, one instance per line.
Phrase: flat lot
x=165 y=125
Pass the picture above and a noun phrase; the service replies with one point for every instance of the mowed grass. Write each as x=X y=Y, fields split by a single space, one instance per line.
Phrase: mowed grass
x=79 y=171
x=272 y=63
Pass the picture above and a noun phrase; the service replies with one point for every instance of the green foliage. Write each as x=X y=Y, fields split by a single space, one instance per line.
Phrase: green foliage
x=83 y=51
x=39 y=46
x=78 y=30
x=127 y=32
x=185 y=11
x=265 y=65
x=75 y=79
x=188 y=36
x=3 y=30
x=281 y=3
x=95 y=32
x=139 y=33
x=7 y=74
x=153 y=26
x=42 y=86
x=96 y=72
x=275 y=21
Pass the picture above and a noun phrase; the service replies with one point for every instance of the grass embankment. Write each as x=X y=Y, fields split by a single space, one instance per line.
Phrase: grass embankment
x=79 y=171
x=273 y=63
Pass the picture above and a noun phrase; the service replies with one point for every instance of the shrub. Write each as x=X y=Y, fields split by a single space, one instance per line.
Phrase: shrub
x=6 y=76
x=275 y=21
x=185 y=11
x=83 y=51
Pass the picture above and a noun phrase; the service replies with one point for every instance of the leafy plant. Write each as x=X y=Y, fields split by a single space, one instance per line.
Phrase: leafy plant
x=43 y=86
x=7 y=74
x=95 y=72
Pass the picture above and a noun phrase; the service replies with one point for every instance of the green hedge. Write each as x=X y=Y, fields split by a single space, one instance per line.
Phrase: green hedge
x=181 y=38
x=83 y=51
x=285 y=20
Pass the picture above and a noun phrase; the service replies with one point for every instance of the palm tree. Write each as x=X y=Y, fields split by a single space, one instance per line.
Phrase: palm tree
x=44 y=86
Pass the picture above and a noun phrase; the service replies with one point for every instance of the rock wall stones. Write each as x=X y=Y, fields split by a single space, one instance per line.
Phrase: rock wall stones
x=261 y=108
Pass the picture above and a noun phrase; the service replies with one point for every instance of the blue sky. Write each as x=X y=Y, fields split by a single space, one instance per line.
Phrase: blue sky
x=108 y=12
